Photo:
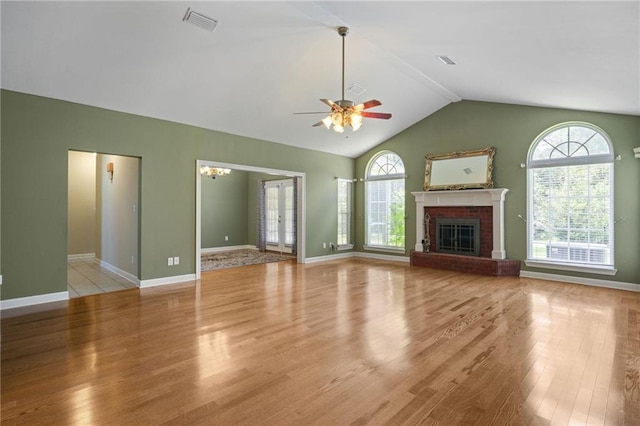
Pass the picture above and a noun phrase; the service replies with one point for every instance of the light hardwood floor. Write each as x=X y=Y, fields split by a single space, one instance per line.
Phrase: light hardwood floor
x=350 y=342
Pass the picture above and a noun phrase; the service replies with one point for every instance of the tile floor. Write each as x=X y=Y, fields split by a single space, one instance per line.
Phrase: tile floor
x=86 y=277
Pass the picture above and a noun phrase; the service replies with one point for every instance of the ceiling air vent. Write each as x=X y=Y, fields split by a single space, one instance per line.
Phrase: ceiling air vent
x=355 y=89
x=200 y=20
x=446 y=60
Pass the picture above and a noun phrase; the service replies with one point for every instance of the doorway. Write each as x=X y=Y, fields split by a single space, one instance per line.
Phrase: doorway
x=300 y=203
x=279 y=210
x=103 y=222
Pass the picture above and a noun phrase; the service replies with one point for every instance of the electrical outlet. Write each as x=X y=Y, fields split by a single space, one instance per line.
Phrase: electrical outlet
x=324 y=245
x=226 y=238
x=132 y=260
x=176 y=260
x=170 y=261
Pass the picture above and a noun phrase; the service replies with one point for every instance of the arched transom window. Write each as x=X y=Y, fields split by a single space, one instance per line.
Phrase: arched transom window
x=570 y=198
x=384 y=193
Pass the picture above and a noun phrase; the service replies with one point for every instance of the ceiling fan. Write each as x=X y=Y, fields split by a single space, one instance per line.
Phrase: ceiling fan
x=345 y=112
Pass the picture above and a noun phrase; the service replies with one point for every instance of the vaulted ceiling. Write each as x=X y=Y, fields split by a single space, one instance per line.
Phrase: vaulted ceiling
x=266 y=60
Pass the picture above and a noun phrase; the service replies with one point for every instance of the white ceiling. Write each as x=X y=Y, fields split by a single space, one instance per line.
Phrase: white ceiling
x=267 y=60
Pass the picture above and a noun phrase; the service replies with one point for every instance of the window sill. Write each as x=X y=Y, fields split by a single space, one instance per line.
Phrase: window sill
x=345 y=247
x=589 y=269
x=385 y=249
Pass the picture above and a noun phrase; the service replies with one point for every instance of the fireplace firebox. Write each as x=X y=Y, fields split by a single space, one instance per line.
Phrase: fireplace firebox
x=458 y=236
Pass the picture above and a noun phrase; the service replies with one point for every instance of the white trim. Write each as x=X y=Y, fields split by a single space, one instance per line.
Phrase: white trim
x=385 y=249
x=154 y=282
x=317 y=259
x=81 y=256
x=589 y=269
x=403 y=259
x=20 y=302
x=124 y=274
x=227 y=248
x=618 y=285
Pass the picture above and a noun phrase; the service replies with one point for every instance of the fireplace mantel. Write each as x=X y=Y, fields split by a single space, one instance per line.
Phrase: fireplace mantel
x=465 y=197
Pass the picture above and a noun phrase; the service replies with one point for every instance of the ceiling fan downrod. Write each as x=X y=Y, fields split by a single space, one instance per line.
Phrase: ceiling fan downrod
x=343 y=31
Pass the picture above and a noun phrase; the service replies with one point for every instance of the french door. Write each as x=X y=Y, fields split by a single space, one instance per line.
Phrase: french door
x=279 y=211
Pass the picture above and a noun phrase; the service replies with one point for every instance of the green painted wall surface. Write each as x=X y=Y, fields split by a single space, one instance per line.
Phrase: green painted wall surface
x=40 y=131
x=470 y=125
x=225 y=210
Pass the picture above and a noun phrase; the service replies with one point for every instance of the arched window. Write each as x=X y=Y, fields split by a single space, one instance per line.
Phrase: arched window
x=384 y=194
x=570 y=198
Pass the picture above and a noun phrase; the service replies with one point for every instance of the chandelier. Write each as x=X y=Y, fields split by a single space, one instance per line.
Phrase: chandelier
x=213 y=172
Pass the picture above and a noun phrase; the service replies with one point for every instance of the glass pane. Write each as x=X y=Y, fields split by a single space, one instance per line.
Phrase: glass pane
x=385 y=217
x=580 y=134
x=289 y=232
x=571 y=213
x=570 y=141
x=598 y=145
x=386 y=163
x=271 y=198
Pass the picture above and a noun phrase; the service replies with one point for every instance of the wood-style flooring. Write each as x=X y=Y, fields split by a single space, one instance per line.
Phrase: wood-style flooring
x=347 y=342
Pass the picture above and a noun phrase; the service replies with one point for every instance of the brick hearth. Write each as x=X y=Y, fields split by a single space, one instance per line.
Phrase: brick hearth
x=470 y=264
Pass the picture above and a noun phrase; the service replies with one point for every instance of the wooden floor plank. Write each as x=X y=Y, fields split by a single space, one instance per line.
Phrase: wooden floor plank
x=345 y=342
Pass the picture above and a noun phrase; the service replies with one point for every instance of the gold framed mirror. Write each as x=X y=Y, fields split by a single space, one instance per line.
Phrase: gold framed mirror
x=459 y=170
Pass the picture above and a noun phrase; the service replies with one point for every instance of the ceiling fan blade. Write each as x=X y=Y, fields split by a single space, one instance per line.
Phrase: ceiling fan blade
x=383 y=115
x=318 y=112
x=319 y=123
x=334 y=106
x=370 y=104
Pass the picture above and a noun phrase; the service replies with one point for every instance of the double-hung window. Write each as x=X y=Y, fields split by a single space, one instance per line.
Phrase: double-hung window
x=344 y=214
x=570 y=199
x=384 y=193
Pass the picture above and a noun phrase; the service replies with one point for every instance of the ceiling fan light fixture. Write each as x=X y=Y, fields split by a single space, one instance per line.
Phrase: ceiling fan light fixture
x=345 y=112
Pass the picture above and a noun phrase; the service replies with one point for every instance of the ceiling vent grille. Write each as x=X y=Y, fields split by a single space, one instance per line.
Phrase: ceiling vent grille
x=200 y=20
x=355 y=89
x=446 y=60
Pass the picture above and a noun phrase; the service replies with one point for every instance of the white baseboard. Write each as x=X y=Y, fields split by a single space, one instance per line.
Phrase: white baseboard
x=580 y=280
x=227 y=248
x=167 y=280
x=124 y=274
x=403 y=259
x=19 y=302
x=317 y=259
x=81 y=256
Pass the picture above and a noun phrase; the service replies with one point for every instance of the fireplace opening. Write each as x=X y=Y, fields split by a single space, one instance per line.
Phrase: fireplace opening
x=458 y=236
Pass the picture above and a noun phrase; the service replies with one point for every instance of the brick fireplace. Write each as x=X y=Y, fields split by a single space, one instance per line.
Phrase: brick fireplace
x=483 y=205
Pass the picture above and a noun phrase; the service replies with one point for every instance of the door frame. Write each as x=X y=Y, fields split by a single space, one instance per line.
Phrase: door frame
x=281 y=224
x=300 y=208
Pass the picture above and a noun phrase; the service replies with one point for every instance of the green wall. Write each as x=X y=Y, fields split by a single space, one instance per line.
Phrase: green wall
x=37 y=133
x=225 y=209
x=470 y=125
